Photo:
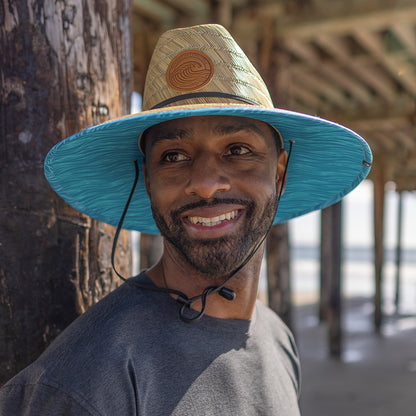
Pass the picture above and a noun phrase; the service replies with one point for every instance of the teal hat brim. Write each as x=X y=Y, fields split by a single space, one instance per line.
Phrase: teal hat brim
x=94 y=170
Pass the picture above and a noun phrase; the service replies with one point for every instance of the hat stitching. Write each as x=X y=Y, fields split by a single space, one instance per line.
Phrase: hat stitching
x=211 y=34
x=222 y=78
x=168 y=57
x=235 y=81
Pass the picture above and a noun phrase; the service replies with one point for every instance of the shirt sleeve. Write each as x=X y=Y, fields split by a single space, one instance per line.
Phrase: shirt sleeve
x=39 y=399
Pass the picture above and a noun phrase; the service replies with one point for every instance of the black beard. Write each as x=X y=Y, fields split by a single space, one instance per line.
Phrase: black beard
x=218 y=257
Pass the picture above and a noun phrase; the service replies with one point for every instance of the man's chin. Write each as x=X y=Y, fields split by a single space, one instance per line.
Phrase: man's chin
x=213 y=258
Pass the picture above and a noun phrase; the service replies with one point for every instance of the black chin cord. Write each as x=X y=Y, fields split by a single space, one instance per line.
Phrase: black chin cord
x=186 y=303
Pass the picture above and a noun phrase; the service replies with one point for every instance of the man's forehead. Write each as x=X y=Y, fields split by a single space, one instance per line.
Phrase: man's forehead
x=185 y=128
x=219 y=125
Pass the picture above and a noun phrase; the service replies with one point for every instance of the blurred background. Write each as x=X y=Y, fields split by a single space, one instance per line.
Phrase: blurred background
x=348 y=290
x=343 y=279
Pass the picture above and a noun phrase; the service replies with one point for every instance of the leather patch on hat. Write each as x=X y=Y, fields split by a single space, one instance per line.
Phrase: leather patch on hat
x=189 y=71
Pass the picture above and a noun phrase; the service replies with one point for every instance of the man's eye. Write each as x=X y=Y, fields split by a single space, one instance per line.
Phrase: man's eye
x=237 y=150
x=174 y=157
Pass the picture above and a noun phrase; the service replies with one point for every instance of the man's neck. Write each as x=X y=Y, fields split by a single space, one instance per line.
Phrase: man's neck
x=173 y=272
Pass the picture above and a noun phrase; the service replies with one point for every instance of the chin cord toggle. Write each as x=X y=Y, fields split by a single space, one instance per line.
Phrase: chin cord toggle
x=227 y=293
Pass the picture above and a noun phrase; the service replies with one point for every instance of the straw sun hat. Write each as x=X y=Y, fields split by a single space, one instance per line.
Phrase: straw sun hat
x=201 y=71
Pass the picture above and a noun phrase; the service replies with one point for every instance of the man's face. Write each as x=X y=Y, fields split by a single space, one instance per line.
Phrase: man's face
x=212 y=182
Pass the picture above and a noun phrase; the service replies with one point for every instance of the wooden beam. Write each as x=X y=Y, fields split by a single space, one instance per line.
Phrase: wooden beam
x=155 y=11
x=333 y=71
x=374 y=20
x=397 y=65
x=367 y=70
x=302 y=50
x=266 y=46
x=406 y=140
x=406 y=34
x=385 y=141
x=399 y=115
x=363 y=69
x=221 y=12
x=357 y=90
x=271 y=10
x=317 y=83
x=337 y=75
x=247 y=32
x=191 y=8
x=384 y=123
x=397 y=143
x=375 y=147
x=239 y=3
x=309 y=98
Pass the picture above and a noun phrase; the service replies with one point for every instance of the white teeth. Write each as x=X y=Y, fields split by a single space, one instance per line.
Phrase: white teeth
x=211 y=222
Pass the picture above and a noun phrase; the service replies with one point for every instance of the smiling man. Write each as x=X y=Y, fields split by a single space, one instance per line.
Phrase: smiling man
x=205 y=164
x=213 y=182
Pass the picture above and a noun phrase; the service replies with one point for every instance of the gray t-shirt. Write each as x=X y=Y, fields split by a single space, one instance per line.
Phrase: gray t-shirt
x=131 y=355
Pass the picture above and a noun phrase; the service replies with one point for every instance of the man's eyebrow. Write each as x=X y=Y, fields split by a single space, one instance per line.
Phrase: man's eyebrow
x=163 y=134
x=225 y=129
x=169 y=134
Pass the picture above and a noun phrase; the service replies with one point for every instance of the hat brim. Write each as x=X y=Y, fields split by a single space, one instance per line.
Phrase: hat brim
x=94 y=171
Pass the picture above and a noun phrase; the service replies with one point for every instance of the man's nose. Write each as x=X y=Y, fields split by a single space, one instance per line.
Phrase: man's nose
x=207 y=177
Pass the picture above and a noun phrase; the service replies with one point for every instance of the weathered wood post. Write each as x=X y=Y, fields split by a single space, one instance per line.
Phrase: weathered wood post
x=379 y=178
x=331 y=256
x=151 y=248
x=278 y=272
x=398 y=251
x=325 y=264
x=63 y=67
x=274 y=66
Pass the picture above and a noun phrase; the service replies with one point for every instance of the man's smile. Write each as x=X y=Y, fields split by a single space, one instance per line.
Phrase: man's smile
x=213 y=221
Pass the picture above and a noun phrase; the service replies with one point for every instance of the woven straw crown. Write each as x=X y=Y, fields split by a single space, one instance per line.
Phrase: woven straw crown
x=202 y=65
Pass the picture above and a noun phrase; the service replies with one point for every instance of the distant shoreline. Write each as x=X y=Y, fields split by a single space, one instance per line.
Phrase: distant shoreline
x=355 y=254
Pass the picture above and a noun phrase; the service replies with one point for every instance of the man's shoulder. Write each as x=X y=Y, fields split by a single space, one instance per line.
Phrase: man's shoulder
x=269 y=317
x=113 y=311
x=272 y=327
x=106 y=330
x=121 y=315
x=96 y=353
x=271 y=324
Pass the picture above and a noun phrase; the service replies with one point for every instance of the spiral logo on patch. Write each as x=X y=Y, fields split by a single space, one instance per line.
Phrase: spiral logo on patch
x=190 y=70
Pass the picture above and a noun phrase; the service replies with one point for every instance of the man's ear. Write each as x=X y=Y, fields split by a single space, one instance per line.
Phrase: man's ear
x=281 y=166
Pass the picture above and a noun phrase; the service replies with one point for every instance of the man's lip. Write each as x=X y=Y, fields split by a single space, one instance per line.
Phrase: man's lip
x=212 y=211
x=212 y=221
x=212 y=225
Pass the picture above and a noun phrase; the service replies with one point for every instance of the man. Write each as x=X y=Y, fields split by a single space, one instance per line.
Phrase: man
x=205 y=164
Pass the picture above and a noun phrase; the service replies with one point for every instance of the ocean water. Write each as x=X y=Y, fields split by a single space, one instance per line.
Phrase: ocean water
x=357 y=276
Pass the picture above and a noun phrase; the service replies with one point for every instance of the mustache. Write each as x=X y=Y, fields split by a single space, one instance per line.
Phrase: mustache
x=212 y=203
